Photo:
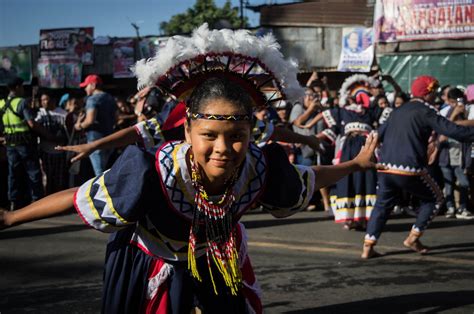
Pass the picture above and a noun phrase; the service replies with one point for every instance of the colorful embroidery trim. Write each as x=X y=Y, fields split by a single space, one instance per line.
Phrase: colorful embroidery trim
x=219 y=117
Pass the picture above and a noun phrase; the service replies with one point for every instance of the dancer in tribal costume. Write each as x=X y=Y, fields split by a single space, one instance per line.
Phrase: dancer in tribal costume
x=174 y=211
x=353 y=197
x=405 y=138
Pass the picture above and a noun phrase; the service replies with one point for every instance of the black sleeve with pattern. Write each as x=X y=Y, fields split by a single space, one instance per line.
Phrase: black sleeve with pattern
x=288 y=187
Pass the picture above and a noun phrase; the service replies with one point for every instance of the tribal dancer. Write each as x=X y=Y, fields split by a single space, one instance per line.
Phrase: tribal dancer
x=176 y=241
x=405 y=137
x=353 y=196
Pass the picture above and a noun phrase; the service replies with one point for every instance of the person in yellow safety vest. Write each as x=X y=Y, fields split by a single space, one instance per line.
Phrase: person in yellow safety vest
x=22 y=153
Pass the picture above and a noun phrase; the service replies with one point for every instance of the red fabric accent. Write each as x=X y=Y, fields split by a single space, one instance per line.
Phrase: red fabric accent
x=176 y=117
x=78 y=211
x=363 y=99
x=160 y=302
x=248 y=277
x=423 y=85
x=142 y=248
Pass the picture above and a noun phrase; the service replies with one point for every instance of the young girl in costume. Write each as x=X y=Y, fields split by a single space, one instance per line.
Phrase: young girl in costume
x=353 y=197
x=173 y=212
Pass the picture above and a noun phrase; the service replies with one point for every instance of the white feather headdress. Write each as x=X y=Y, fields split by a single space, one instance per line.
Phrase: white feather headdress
x=352 y=82
x=210 y=51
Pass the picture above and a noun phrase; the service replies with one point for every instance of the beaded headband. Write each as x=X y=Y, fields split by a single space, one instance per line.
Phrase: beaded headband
x=219 y=117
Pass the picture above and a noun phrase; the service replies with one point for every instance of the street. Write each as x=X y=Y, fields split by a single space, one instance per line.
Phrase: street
x=304 y=263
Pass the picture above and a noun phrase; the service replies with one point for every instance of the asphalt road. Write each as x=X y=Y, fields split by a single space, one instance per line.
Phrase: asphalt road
x=305 y=264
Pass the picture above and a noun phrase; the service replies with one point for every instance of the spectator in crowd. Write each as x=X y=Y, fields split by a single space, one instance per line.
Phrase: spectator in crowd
x=53 y=119
x=125 y=115
x=299 y=116
x=3 y=173
x=443 y=92
x=452 y=159
x=98 y=120
x=21 y=142
x=469 y=94
x=382 y=109
x=79 y=171
x=399 y=99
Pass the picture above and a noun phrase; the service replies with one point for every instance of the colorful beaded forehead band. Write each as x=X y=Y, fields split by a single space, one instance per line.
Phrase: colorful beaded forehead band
x=219 y=117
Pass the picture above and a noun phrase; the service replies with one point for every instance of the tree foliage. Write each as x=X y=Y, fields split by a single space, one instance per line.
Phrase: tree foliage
x=203 y=11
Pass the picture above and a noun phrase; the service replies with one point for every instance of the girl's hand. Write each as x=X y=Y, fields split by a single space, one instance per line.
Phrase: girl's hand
x=366 y=159
x=83 y=150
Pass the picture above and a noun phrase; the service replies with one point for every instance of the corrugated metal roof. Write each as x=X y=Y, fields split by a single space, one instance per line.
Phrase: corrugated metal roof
x=318 y=13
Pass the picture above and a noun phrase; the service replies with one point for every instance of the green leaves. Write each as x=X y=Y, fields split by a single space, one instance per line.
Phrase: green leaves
x=203 y=11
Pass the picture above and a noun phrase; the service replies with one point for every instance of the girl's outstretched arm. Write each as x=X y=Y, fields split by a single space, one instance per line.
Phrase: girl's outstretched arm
x=49 y=206
x=328 y=175
x=120 y=138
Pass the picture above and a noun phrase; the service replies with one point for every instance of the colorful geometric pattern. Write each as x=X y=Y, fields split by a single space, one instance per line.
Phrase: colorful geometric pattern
x=219 y=117
x=96 y=208
x=357 y=127
x=329 y=119
x=352 y=208
x=173 y=170
x=385 y=115
x=149 y=132
x=262 y=132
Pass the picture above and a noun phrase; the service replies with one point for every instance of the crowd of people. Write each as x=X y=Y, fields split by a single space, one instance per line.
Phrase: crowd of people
x=38 y=166
x=32 y=129
x=216 y=133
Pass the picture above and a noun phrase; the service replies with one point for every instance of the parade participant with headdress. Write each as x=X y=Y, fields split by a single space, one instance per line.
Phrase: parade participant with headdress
x=176 y=242
x=404 y=154
x=348 y=126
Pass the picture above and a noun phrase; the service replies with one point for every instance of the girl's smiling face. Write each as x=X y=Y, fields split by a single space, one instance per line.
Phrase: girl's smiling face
x=219 y=147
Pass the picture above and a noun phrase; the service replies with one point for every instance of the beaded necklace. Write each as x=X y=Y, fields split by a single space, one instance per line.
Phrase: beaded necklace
x=220 y=236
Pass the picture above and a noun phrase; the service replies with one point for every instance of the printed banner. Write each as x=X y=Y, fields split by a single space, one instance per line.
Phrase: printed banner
x=407 y=20
x=59 y=72
x=124 y=57
x=357 y=53
x=68 y=42
x=15 y=62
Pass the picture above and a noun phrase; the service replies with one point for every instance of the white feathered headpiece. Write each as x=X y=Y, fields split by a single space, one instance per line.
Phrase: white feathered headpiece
x=355 y=84
x=185 y=61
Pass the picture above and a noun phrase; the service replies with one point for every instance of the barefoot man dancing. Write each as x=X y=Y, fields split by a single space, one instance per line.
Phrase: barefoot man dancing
x=404 y=153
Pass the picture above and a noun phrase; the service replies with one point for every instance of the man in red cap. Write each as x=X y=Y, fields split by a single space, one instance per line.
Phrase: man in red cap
x=404 y=153
x=99 y=119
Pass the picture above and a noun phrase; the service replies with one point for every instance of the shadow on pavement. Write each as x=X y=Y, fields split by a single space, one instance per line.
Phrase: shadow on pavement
x=85 y=298
x=444 y=249
x=452 y=248
x=25 y=233
x=432 y=302
x=282 y=221
x=406 y=227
